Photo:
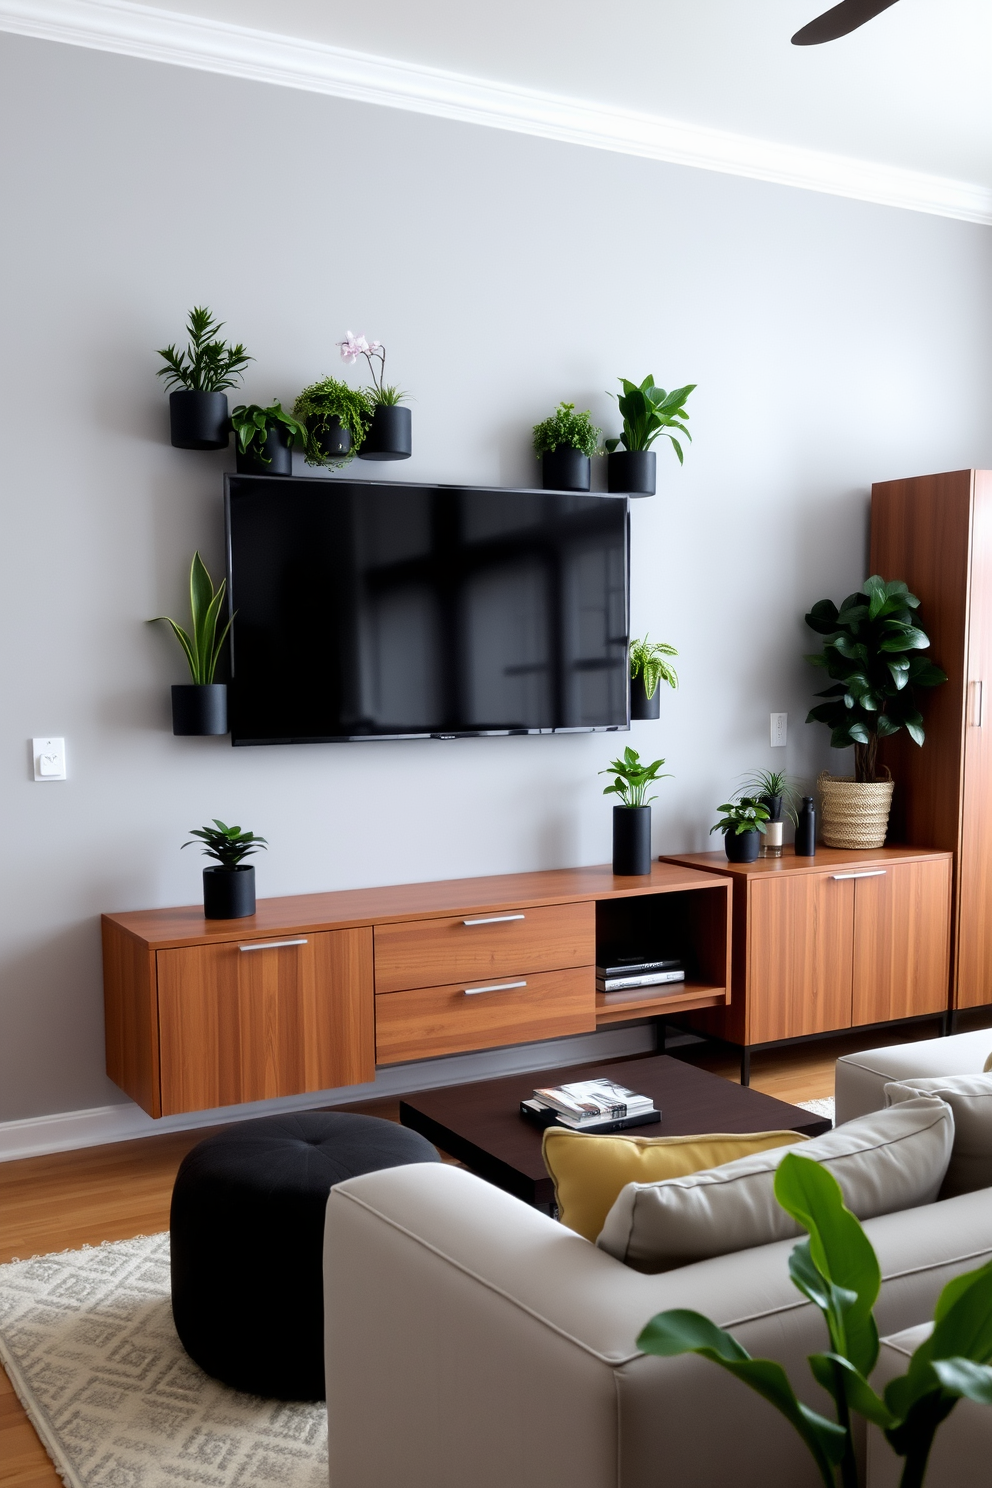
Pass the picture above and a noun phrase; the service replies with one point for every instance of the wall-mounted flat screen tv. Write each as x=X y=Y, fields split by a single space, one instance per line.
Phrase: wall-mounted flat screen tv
x=370 y=610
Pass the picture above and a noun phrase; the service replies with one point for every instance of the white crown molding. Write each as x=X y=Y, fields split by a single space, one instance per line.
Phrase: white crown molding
x=239 y=51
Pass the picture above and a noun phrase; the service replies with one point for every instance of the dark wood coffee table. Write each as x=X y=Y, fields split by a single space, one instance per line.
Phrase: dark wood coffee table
x=481 y=1125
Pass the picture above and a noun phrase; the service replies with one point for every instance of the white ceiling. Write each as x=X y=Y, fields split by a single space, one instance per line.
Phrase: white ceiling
x=910 y=89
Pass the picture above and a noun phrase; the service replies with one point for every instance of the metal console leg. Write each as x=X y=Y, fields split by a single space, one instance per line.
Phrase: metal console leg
x=745 y=1065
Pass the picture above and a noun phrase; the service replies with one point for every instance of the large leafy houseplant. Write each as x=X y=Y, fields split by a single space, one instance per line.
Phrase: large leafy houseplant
x=201 y=644
x=871 y=652
x=649 y=413
x=837 y=1270
x=337 y=418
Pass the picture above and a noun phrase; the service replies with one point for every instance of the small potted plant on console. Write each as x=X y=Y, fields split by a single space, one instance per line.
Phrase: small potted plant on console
x=742 y=823
x=200 y=706
x=632 y=819
x=198 y=405
x=390 y=431
x=228 y=888
x=648 y=668
x=774 y=790
x=336 y=417
x=564 y=443
x=648 y=412
x=264 y=439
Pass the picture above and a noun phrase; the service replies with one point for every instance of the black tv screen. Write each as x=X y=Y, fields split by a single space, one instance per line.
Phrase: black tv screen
x=374 y=610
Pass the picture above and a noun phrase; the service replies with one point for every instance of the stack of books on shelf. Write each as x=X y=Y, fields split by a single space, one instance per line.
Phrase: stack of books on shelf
x=590 y=1105
x=623 y=977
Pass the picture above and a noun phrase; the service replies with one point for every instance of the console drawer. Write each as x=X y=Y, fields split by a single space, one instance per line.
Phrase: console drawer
x=450 y=1020
x=483 y=946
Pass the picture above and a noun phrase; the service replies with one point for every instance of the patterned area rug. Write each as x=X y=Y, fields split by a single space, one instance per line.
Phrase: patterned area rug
x=824 y=1107
x=88 y=1341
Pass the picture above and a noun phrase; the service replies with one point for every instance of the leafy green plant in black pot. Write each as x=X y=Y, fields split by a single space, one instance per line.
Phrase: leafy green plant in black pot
x=773 y=790
x=390 y=431
x=741 y=823
x=264 y=439
x=564 y=443
x=200 y=706
x=336 y=417
x=198 y=375
x=649 y=667
x=632 y=818
x=228 y=888
x=648 y=413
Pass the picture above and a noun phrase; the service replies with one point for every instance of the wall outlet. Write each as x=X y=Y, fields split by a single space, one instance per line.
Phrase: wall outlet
x=49 y=759
x=779 y=730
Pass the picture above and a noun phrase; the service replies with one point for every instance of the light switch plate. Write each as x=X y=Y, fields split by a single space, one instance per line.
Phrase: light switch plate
x=49 y=759
x=779 y=730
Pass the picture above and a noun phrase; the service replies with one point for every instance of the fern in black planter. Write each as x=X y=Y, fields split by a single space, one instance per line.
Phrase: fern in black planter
x=199 y=374
x=564 y=443
x=228 y=888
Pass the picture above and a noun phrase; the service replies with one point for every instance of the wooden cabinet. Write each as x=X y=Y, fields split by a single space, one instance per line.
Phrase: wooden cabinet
x=799 y=952
x=474 y=947
x=901 y=942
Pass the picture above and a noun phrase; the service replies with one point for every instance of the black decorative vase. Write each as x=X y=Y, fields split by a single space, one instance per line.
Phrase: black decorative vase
x=631 y=840
x=228 y=893
x=276 y=450
x=806 y=830
x=743 y=848
x=631 y=471
x=199 y=708
x=199 y=421
x=642 y=706
x=333 y=440
x=566 y=469
x=390 y=435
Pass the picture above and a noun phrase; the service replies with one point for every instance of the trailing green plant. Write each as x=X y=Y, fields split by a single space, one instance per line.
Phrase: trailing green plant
x=871 y=651
x=566 y=429
x=251 y=424
x=632 y=778
x=837 y=1270
x=647 y=660
x=229 y=845
x=649 y=412
x=324 y=401
x=380 y=393
x=746 y=814
x=208 y=364
x=201 y=645
x=769 y=783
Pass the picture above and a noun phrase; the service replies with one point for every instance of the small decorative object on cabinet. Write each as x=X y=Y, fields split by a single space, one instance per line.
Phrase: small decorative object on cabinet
x=805 y=845
x=337 y=418
x=648 y=411
x=871 y=651
x=632 y=820
x=264 y=439
x=199 y=375
x=776 y=793
x=743 y=825
x=200 y=707
x=228 y=889
x=564 y=443
x=390 y=431
x=648 y=667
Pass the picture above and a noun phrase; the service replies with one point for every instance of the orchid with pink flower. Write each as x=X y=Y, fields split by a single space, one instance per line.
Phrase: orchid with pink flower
x=352 y=347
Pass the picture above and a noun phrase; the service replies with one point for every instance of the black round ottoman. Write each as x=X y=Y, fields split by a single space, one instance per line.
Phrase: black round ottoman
x=247 y=1240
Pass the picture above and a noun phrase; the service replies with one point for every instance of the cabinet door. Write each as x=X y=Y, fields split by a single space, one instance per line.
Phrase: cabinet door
x=801 y=941
x=902 y=941
x=973 y=948
x=252 y=1020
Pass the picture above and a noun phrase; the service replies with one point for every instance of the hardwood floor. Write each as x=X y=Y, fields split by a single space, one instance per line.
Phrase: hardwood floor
x=70 y=1199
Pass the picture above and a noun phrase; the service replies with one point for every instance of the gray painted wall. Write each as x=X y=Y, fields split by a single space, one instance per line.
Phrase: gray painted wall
x=833 y=342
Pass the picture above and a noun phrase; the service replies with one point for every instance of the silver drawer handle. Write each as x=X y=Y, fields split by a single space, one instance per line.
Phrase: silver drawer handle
x=269 y=945
x=494 y=919
x=499 y=987
x=872 y=873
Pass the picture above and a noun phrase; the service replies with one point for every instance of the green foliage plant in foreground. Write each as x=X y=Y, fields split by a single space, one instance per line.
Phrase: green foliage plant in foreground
x=202 y=645
x=328 y=399
x=251 y=424
x=632 y=778
x=566 y=429
x=208 y=364
x=227 y=844
x=838 y=1271
x=647 y=660
x=747 y=814
x=648 y=412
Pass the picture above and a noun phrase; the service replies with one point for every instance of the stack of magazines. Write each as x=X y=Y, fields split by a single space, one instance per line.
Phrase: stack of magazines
x=620 y=976
x=590 y=1105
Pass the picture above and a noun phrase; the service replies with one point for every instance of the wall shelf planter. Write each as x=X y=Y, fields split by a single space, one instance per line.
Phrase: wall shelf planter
x=200 y=421
x=199 y=708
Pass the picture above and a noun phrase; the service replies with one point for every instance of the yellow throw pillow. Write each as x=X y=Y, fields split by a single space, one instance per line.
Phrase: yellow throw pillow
x=589 y=1171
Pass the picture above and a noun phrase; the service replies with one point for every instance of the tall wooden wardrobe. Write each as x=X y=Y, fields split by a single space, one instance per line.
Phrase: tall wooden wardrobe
x=935 y=531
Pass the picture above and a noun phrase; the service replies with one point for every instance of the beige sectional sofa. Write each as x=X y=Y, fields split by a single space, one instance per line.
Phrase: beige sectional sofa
x=860 y=1079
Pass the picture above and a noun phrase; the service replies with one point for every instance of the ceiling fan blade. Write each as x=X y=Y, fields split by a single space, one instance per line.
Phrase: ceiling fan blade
x=840 y=21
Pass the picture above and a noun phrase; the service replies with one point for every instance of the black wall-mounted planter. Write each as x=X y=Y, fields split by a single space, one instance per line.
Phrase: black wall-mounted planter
x=642 y=706
x=631 y=471
x=276 y=450
x=566 y=469
x=334 y=440
x=743 y=848
x=228 y=893
x=390 y=435
x=631 y=840
x=199 y=421
x=199 y=708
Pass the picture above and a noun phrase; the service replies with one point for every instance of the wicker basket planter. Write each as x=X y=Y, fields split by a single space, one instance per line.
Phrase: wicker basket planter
x=854 y=814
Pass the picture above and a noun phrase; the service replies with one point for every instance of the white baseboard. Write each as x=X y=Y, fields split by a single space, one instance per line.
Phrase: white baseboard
x=65 y=1131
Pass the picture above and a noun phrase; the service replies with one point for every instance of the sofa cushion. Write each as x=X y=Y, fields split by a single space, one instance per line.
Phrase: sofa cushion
x=589 y=1171
x=970 y=1098
x=861 y=1078
x=891 y=1160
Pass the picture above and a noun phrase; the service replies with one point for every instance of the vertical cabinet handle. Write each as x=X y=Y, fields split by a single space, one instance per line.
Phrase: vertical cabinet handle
x=494 y=919
x=977 y=710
